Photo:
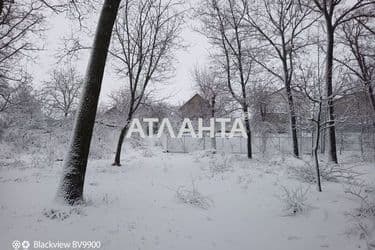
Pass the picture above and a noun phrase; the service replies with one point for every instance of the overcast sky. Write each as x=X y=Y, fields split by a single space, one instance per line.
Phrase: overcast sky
x=179 y=89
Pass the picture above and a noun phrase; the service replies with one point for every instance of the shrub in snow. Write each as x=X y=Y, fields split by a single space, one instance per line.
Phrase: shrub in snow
x=220 y=163
x=45 y=159
x=7 y=151
x=199 y=155
x=61 y=214
x=108 y=199
x=328 y=172
x=99 y=150
x=147 y=152
x=136 y=142
x=193 y=197
x=364 y=215
x=12 y=164
x=102 y=143
x=294 y=200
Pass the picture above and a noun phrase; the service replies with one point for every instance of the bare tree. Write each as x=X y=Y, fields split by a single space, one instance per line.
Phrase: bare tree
x=282 y=26
x=224 y=25
x=336 y=13
x=213 y=89
x=146 y=38
x=311 y=83
x=361 y=62
x=60 y=94
x=20 y=102
x=75 y=163
x=20 y=25
x=7 y=94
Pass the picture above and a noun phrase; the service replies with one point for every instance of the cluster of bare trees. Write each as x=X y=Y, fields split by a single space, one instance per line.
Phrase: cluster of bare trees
x=20 y=22
x=254 y=43
x=22 y=25
x=61 y=92
x=272 y=38
x=146 y=35
x=214 y=90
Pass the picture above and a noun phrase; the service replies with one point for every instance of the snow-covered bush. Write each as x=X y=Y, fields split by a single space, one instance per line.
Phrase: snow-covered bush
x=62 y=213
x=193 y=197
x=199 y=155
x=102 y=143
x=136 y=142
x=366 y=196
x=46 y=157
x=7 y=151
x=294 y=200
x=100 y=149
x=42 y=160
x=147 y=152
x=220 y=163
x=364 y=215
x=306 y=172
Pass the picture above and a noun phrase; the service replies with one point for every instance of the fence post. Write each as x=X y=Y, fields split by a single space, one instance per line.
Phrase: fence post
x=241 y=145
x=184 y=144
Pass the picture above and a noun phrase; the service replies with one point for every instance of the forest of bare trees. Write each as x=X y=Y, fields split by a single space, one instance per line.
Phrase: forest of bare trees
x=150 y=124
x=256 y=48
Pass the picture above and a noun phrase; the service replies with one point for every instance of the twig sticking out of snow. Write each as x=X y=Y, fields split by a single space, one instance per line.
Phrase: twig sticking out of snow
x=193 y=197
x=294 y=200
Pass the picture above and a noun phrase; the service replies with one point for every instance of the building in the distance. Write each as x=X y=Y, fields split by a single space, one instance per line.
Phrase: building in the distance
x=195 y=107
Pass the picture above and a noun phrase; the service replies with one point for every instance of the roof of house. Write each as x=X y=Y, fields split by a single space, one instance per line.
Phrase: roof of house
x=195 y=106
x=196 y=97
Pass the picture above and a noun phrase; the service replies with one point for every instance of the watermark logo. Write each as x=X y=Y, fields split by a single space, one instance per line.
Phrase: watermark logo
x=16 y=244
x=25 y=244
x=236 y=128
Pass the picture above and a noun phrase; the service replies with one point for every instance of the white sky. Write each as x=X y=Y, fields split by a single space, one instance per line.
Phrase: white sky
x=179 y=89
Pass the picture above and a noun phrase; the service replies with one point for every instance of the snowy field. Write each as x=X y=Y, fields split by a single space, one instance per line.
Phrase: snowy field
x=186 y=201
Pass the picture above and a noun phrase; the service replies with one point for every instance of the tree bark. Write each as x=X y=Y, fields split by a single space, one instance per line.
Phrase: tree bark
x=293 y=118
x=332 y=151
x=371 y=96
x=1 y=6
x=72 y=182
x=316 y=146
x=248 y=133
x=120 y=141
x=316 y=158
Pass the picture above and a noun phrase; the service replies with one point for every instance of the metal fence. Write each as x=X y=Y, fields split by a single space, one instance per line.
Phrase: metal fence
x=361 y=143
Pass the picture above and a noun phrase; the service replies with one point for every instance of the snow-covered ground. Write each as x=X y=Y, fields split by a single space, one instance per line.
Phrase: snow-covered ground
x=180 y=201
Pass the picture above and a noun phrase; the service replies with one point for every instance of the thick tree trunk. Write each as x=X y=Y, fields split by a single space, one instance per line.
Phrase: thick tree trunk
x=371 y=96
x=1 y=6
x=120 y=141
x=292 y=117
x=248 y=133
x=332 y=151
x=72 y=182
